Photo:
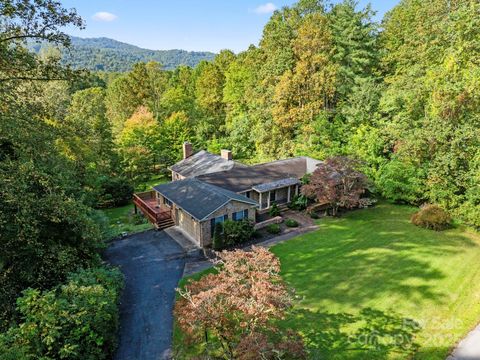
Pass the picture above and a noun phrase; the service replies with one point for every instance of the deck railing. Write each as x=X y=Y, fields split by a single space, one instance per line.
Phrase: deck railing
x=145 y=202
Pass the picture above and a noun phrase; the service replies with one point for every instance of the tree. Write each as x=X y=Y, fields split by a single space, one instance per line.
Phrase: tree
x=24 y=21
x=336 y=182
x=307 y=90
x=46 y=229
x=175 y=130
x=209 y=99
x=355 y=41
x=139 y=145
x=431 y=124
x=233 y=312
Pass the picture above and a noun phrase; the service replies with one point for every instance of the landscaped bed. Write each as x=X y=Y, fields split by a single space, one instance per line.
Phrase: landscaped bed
x=371 y=285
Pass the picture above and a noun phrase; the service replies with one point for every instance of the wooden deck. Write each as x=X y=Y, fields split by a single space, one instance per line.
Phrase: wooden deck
x=146 y=202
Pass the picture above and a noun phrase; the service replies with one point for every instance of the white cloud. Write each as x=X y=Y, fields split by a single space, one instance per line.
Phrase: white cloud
x=104 y=16
x=267 y=8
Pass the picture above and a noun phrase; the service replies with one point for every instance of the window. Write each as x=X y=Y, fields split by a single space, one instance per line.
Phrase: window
x=215 y=221
x=167 y=202
x=240 y=215
x=247 y=194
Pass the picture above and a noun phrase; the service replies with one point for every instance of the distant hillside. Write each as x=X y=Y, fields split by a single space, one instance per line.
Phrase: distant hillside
x=110 y=55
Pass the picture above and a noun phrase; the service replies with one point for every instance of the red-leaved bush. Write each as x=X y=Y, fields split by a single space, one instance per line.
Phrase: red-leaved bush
x=337 y=183
x=235 y=311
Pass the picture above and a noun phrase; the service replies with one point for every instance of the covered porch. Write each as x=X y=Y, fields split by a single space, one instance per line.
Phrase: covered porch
x=147 y=203
x=278 y=192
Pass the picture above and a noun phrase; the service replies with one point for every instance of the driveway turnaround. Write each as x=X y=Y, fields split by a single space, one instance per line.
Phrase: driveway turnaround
x=152 y=263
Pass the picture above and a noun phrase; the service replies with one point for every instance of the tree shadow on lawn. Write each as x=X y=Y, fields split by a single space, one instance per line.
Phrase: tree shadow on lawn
x=372 y=334
x=365 y=258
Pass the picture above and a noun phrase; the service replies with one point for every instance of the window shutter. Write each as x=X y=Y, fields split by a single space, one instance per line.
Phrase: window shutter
x=245 y=214
x=234 y=216
x=212 y=226
x=225 y=217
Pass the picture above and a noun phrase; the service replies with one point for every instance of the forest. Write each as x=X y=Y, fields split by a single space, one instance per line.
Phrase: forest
x=400 y=96
x=325 y=80
x=104 y=54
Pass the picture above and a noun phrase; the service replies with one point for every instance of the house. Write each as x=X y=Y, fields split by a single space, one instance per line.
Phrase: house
x=196 y=207
x=208 y=188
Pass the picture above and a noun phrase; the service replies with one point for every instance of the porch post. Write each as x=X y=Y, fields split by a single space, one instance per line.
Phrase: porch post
x=268 y=200
x=260 y=201
x=288 y=194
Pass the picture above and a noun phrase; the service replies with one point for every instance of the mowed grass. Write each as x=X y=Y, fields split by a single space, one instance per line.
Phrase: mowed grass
x=370 y=285
x=122 y=219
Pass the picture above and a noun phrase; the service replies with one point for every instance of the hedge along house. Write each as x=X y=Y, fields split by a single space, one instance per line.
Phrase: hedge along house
x=196 y=207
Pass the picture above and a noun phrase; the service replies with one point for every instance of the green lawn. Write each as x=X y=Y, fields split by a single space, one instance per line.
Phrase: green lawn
x=122 y=219
x=370 y=285
x=154 y=180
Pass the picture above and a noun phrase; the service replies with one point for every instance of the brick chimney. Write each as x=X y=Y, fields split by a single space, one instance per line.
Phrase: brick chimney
x=187 y=149
x=226 y=154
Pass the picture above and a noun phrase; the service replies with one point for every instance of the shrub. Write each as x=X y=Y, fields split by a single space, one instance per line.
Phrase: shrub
x=218 y=241
x=366 y=202
x=139 y=219
x=306 y=179
x=432 y=217
x=291 y=223
x=77 y=320
x=299 y=202
x=314 y=215
x=114 y=191
x=274 y=210
x=273 y=229
x=237 y=232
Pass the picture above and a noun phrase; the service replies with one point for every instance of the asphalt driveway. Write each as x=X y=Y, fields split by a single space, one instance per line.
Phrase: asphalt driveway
x=152 y=263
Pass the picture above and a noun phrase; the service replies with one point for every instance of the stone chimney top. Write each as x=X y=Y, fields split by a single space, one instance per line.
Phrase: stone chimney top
x=226 y=154
x=187 y=150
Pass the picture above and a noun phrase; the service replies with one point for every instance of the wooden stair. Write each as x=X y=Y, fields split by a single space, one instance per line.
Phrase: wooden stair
x=164 y=223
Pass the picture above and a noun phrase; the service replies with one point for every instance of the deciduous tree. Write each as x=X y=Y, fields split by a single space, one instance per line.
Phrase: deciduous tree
x=336 y=182
x=234 y=311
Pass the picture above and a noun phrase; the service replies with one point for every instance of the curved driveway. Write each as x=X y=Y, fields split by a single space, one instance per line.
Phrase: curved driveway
x=152 y=263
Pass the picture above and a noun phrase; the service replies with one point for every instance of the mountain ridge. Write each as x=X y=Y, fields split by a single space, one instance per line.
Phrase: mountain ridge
x=106 y=54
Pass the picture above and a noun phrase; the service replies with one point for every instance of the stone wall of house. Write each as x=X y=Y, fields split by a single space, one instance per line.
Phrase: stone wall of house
x=230 y=208
x=190 y=225
x=200 y=231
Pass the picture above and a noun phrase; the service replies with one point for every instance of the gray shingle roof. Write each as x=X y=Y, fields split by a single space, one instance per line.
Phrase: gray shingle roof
x=276 y=184
x=197 y=198
x=242 y=178
x=201 y=163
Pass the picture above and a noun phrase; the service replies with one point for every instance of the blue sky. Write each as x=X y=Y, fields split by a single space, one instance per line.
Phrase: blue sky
x=209 y=25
